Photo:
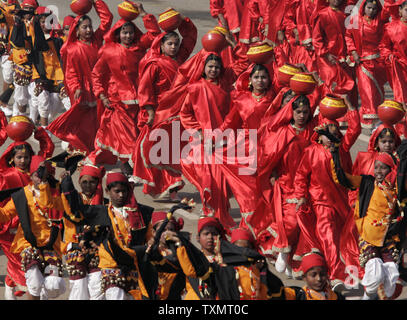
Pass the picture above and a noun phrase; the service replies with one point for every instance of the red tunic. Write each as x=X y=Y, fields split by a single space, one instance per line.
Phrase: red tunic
x=393 y=49
x=299 y=16
x=118 y=81
x=371 y=73
x=240 y=170
x=157 y=72
x=79 y=124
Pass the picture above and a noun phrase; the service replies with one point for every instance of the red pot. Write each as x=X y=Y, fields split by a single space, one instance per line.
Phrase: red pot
x=169 y=20
x=19 y=128
x=260 y=54
x=285 y=73
x=332 y=107
x=303 y=83
x=214 y=41
x=81 y=7
x=390 y=112
x=127 y=11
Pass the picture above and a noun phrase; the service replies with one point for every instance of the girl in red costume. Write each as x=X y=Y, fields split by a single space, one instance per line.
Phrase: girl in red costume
x=280 y=147
x=328 y=201
x=157 y=71
x=253 y=95
x=298 y=26
x=328 y=39
x=14 y=169
x=204 y=108
x=363 y=44
x=78 y=126
x=115 y=84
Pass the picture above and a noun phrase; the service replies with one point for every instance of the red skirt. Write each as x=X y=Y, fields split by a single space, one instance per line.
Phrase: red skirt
x=77 y=126
x=116 y=135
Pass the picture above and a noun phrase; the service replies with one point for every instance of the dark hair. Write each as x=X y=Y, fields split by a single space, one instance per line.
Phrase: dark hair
x=169 y=35
x=82 y=19
x=386 y=132
x=285 y=95
x=216 y=58
x=19 y=148
x=302 y=100
x=117 y=183
x=403 y=4
x=126 y=24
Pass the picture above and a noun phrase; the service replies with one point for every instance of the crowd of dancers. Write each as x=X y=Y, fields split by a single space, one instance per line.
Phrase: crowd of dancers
x=142 y=101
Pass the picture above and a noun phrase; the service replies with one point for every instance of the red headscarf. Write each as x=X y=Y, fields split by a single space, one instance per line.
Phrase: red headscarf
x=68 y=21
x=386 y=158
x=5 y=158
x=312 y=260
x=111 y=34
x=373 y=138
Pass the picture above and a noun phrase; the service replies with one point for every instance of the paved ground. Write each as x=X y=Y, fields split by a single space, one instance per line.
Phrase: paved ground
x=198 y=11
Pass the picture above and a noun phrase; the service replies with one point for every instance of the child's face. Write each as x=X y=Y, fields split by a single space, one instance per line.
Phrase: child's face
x=88 y=185
x=335 y=3
x=243 y=244
x=22 y=159
x=381 y=170
x=371 y=9
x=118 y=195
x=207 y=239
x=386 y=144
x=316 y=278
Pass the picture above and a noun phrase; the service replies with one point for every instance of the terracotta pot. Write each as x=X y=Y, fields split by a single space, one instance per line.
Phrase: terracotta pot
x=332 y=107
x=285 y=73
x=214 y=41
x=19 y=128
x=390 y=112
x=260 y=54
x=81 y=7
x=127 y=11
x=169 y=20
x=303 y=83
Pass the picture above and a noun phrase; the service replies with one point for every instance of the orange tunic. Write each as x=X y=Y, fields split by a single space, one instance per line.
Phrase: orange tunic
x=39 y=224
x=106 y=261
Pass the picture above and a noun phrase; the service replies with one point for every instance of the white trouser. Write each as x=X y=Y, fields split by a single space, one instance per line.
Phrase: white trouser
x=377 y=272
x=46 y=287
x=116 y=293
x=88 y=288
x=47 y=105
x=22 y=97
x=7 y=69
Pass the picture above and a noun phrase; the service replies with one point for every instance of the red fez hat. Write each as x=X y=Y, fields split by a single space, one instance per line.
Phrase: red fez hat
x=93 y=171
x=29 y=3
x=42 y=10
x=210 y=221
x=35 y=163
x=68 y=20
x=242 y=234
x=160 y=216
x=116 y=177
x=386 y=158
x=312 y=260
